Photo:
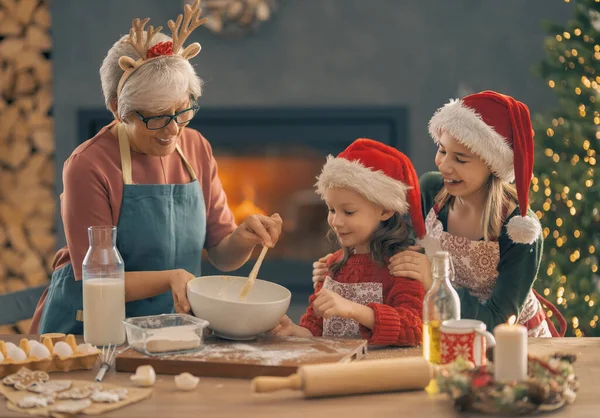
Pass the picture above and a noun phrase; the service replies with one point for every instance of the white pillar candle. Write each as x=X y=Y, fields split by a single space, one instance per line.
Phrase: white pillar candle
x=510 y=353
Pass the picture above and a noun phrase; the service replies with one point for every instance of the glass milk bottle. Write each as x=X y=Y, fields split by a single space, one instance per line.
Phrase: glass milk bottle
x=103 y=289
x=441 y=303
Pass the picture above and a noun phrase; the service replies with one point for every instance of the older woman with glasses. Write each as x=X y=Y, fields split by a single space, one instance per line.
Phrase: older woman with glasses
x=153 y=178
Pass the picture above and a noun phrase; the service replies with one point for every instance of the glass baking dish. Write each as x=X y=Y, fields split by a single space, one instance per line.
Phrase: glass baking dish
x=165 y=334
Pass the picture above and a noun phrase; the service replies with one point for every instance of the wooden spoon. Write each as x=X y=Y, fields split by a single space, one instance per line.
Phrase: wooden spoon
x=252 y=276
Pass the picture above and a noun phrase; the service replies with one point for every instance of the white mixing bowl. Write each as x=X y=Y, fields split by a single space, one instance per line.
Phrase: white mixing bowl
x=217 y=300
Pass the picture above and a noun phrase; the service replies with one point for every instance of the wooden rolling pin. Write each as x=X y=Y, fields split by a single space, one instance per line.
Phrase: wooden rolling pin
x=367 y=376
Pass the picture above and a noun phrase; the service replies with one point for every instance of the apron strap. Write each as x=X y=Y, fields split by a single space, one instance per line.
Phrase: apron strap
x=125 y=151
x=562 y=323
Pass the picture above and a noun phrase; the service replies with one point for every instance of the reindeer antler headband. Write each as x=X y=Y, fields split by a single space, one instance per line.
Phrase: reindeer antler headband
x=190 y=19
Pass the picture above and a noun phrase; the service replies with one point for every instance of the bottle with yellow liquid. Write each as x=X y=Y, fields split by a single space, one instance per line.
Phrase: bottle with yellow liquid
x=441 y=303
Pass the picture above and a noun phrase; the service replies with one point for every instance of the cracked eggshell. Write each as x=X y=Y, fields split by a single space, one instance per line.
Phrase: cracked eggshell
x=86 y=348
x=186 y=381
x=144 y=376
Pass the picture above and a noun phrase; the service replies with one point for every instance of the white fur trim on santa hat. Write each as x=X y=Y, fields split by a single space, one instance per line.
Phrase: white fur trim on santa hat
x=523 y=229
x=469 y=129
x=376 y=186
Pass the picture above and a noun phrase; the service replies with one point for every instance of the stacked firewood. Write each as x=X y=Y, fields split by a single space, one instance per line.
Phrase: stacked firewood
x=27 y=201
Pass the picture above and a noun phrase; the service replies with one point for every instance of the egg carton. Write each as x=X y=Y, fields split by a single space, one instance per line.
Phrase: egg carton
x=54 y=363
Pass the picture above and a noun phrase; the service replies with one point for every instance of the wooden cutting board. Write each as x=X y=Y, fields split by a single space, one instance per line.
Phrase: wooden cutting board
x=265 y=356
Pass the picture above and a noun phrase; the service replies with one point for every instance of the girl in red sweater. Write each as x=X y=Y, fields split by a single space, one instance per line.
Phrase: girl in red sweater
x=368 y=188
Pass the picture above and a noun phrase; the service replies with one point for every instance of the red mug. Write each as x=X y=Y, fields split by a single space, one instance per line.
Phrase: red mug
x=465 y=338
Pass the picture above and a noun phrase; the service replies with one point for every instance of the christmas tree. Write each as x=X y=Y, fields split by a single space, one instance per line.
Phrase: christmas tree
x=566 y=185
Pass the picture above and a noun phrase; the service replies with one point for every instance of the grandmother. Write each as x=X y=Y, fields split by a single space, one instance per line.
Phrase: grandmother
x=153 y=178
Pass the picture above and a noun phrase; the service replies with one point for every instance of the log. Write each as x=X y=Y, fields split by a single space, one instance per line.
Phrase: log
x=21 y=132
x=47 y=175
x=24 y=326
x=38 y=39
x=11 y=47
x=8 y=118
x=28 y=59
x=2 y=273
x=18 y=153
x=10 y=6
x=33 y=224
x=43 y=72
x=42 y=241
x=2 y=242
x=50 y=261
x=43 y=141
x=7 y=184
x=7 y=330
x=10 y=215
x=12 y=260
x=25 y=83
x=29 y=175
x=44 y=100
x=9 y=26
x=14 y=285
x=17 y=238
x=24 y=10
x=25 y=104
x=37 y=279
x=42 y=15
x=32 y=264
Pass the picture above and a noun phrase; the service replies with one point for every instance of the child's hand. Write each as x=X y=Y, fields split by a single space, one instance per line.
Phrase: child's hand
x=320 y=270
x=285 y=328
x=328 y=304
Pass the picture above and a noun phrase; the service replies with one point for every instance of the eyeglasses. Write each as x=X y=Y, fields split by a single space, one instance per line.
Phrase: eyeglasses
x=154 y=123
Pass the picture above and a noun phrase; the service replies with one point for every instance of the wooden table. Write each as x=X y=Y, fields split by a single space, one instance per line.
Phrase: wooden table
x=232 y=397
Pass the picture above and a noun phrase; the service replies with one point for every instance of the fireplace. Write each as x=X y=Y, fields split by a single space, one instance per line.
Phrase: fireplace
x=268 y=159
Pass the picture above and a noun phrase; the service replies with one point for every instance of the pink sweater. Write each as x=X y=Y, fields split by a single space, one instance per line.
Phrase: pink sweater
x=93 y=188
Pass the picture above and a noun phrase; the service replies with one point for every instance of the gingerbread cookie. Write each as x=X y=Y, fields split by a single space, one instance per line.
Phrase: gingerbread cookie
x=25 y=378
x=71 y=407
x=34 y=401
x=75 y=394
x=109 y=396
x=49 y=388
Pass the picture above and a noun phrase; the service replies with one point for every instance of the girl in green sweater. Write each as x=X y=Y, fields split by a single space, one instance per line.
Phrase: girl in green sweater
x=474 y=211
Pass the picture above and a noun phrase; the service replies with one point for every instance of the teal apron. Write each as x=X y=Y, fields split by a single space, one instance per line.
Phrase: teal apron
x=161 y=227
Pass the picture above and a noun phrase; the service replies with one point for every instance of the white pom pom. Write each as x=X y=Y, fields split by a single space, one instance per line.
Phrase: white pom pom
x=523 y=229
x=430 y=245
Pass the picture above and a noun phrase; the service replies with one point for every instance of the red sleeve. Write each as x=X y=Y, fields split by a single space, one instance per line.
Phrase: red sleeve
x=219 y=217
x=84 y=202
x=310 y=320
x=398 y=321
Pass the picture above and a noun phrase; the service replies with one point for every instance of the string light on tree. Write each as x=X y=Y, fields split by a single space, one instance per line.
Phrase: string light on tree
x=565 y=185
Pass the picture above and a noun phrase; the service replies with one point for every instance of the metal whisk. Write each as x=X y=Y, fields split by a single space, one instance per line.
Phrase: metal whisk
x=108 y=359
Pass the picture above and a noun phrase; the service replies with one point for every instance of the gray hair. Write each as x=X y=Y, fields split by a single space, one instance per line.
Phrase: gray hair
x=154 y=87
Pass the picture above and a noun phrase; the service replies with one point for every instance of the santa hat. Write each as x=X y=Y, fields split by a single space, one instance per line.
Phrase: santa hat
x=498 y=129
x=380 y=173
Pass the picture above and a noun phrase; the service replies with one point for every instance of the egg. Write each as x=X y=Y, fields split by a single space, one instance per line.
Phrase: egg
x=86 y=348
x=15 y=353
x=62 y=349
x=38 y=350
x=144 y=376
x=186 y=381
